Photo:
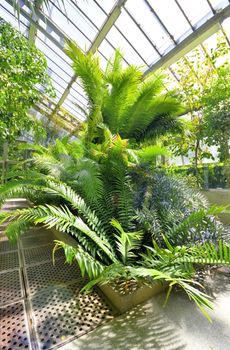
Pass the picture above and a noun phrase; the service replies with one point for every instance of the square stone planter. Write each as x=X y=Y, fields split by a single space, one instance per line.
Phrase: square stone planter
x=121 y=302
x=125 y=302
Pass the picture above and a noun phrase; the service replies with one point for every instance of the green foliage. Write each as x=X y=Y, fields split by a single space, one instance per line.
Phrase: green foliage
x=209 y=175
x=134 y=108
x=124 y=230
x=216 y=105
x=22 y=67
x=199 y=74
x=167 y=205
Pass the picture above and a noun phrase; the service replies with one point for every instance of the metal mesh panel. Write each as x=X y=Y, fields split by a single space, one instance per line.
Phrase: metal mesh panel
x=42 y=276
x=10 y=287
x=62 y=314
x=6 y=245
x=44 y=253
x=37 y=240
x=37 y=230
x=13 y=333
x=9 y=260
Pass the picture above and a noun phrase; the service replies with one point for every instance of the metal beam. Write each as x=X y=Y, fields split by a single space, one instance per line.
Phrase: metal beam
x=111 y=19
x=32 y=32
x=210 y=27
x=222 y=29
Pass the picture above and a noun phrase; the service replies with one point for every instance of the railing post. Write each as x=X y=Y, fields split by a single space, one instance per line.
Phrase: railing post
x=4 y=163
x=206 y=177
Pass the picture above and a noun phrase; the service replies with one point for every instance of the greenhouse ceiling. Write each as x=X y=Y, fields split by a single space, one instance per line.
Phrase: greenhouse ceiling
x=151 y=34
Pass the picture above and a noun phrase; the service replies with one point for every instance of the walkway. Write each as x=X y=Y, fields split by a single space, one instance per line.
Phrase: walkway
x=40 y=304
x=178 y=326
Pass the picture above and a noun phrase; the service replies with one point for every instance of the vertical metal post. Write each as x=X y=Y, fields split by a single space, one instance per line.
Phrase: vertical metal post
x=206 y=177
x=4 y=164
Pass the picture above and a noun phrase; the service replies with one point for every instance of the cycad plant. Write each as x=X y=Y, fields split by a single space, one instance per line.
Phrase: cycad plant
x=88 y=189
x=135 y=108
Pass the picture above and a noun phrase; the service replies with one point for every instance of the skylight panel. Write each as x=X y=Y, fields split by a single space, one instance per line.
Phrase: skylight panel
x=7 y=13
x=107 y=5
x=90 y=8
x=120 y=42
x=67 y=25
x=55 y=53
x=135 y=37
x=196 y=10
x=150 y=25
x=218 y=4
x=168 y=11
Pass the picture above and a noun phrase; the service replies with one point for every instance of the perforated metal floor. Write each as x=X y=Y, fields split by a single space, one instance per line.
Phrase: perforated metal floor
x=41 y=306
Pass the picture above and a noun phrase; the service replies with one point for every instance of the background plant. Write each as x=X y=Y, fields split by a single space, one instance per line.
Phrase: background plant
x=22 y=69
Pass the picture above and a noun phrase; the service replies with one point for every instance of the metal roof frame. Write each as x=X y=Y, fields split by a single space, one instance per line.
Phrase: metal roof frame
x=42 y=23
x=211 y=26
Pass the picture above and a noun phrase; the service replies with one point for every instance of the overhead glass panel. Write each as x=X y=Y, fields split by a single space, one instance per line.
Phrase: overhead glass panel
x=7 y=13
x=74 y=26
x=56 y=53
x=135 y=37
x=54 y=61
x=226 y=26
x=106 y=52
x=196 y=10
x=76 y=99
x=91 y=10
x=217 y=4
x=107 y=5
x=106 y=49
x=150 y=25
x=120 y=42
x=171 y=16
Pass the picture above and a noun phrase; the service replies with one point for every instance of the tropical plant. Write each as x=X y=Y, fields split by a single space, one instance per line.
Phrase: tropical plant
x=167 y=205
x=134 y=108
x=196 y=73
x=104 y=249
x=87 y=189
x=22 y=68
x=216 y=106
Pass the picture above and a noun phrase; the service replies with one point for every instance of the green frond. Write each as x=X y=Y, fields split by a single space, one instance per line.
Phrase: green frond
x=201 y=299
x=121 y=95
x=18 y=189
x=16 y=228
x=63 y=220
x=149 y=153
x=87 y=264
x=87 y=180
x=77 y=203
x=114 y=67
x=194 y=220
x=48 y=164
x=127 y=242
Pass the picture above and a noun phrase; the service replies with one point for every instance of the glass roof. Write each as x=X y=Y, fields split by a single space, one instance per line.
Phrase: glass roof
x=150 y=33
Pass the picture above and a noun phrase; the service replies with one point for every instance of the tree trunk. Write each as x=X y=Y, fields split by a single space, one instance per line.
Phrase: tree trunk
x=197 y=146
x=4 y=164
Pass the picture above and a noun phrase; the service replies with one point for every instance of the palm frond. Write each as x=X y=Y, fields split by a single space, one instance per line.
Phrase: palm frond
x=62 y=219
x=121 y=95
x=87 y=264
x=127 y=242
x=87 y=68
x=201 y=299
x=77 y=203
x=149 y=153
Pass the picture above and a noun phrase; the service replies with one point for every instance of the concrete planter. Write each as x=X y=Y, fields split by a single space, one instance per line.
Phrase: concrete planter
x=125 y=302
x=121 y=302
x=219 y=197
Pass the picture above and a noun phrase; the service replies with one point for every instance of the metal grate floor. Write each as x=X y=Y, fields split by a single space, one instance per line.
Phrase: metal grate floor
x=41 y=306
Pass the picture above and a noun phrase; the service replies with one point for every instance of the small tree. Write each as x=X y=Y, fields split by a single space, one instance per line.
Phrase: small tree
x=196 y=73
x=216 y=105
x=22 y=69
